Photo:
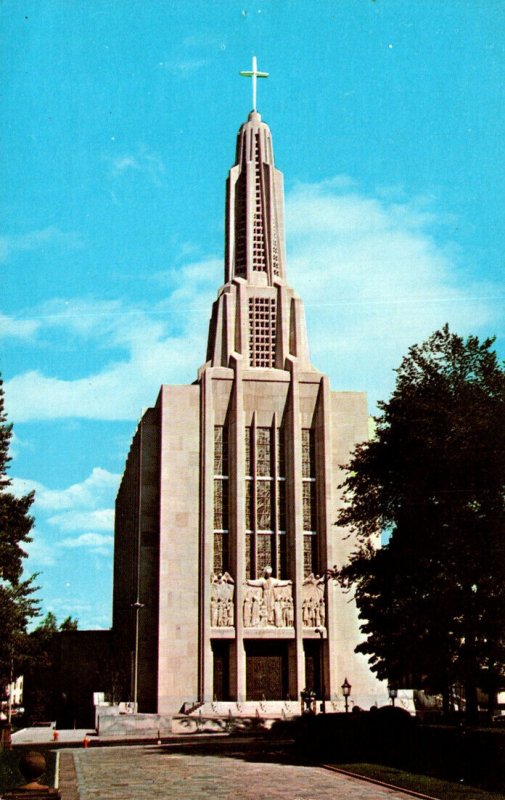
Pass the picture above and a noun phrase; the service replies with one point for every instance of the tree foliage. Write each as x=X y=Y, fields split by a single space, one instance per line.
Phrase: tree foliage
x=432 y=600
x=42 y=691
x=17 y=604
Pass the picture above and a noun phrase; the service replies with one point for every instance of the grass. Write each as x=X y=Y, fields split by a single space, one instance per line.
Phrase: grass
x=433 y=787
x=10 y=776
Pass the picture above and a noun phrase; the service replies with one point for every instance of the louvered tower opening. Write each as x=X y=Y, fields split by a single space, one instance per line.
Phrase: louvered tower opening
x=259 y=263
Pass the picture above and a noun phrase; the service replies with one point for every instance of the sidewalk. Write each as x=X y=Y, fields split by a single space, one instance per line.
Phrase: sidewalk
x=156 y=773
x=45 y=735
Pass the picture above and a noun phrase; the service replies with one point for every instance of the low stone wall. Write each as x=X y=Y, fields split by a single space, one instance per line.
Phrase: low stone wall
x=134 y=725
x=200 y=723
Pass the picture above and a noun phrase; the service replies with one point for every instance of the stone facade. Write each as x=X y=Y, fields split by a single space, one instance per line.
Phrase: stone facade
x=225 y=518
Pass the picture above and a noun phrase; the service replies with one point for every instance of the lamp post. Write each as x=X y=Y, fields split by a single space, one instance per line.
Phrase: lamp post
x=346 y=691
x=320 y=631
x=392 y=692
x=137 y=606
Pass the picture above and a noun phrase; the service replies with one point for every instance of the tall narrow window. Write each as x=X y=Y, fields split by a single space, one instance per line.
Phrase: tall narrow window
x=310 y=554
x=280 y=472
x=221 y=505
x=265 y=498
x=250 y=505
x=241 y=226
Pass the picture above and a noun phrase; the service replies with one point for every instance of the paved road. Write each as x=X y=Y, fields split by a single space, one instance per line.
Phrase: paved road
x=158 y=773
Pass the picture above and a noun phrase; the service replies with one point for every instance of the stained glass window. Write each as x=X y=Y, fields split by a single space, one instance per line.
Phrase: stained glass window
x=281 y=505
x=309 y=501
x=248 y=452
x=309 y=554
x=220 y=504
x=265 y=501
x=249 y=544
x=309 y=506
x=281 y=555
x=281 y=454
x=264 y=505
x=263 y=451
x=220 y=450
x=220 y=551
x=265 y=550
x=308 y=453
x=249 y=518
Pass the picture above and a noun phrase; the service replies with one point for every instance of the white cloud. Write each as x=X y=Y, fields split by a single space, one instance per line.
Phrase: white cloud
x=143 y=161
x=17 y=328
x=85 y=508
x=34 y=240
x=161 y=345
x=100 y=486
x=184 y=68
x=124 y=163
x=376 y=276
x=91 y=614
x=95 y=542
x=101 y=519
x=40 y=553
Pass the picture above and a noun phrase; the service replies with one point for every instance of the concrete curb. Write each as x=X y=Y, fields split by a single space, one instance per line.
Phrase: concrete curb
x=384 y=785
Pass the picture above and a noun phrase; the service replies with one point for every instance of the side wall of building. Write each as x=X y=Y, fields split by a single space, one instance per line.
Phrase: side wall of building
x=179 y=620
x=136 y=566
x=349 y=427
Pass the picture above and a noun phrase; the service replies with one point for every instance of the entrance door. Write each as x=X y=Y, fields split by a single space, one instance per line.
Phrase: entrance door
x=312 y=649
x=266 y=670
x=221 y=653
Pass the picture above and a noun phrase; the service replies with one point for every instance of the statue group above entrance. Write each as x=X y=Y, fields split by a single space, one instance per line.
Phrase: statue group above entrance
x=313 y=606
x=221 y=601
x=268 y=602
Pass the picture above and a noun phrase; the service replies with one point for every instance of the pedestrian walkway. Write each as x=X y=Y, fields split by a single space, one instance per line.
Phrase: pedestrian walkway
x=155 y=773
x=45 y=735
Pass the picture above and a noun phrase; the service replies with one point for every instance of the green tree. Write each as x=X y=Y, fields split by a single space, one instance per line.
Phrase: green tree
x=432 y=600
x=42 y=691
x=17 y=604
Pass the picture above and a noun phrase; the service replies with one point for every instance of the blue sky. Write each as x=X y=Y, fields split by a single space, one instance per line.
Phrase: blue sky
x=119 y=120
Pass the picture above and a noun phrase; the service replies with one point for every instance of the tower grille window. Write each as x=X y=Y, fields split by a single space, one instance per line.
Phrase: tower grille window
x=275 y=253
x=262 y=331
x=221 y=505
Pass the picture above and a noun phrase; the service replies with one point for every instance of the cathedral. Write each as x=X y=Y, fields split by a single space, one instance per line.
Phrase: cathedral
x=226 y=513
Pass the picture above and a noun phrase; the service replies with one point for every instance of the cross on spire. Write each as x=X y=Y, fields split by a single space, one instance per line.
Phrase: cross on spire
x=254 y=74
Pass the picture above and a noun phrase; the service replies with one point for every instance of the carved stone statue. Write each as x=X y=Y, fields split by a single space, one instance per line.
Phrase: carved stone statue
x=266 y=600
x=221 y=600
x=313 y=605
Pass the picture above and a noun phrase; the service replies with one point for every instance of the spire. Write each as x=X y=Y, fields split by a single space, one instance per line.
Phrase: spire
x=255 y=208
x=257 y=320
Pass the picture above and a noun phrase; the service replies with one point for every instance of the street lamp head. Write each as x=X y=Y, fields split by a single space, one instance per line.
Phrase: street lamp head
x=346 y=688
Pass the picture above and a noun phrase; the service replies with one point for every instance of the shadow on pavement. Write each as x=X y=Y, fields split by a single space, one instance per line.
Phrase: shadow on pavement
x=259 y=749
